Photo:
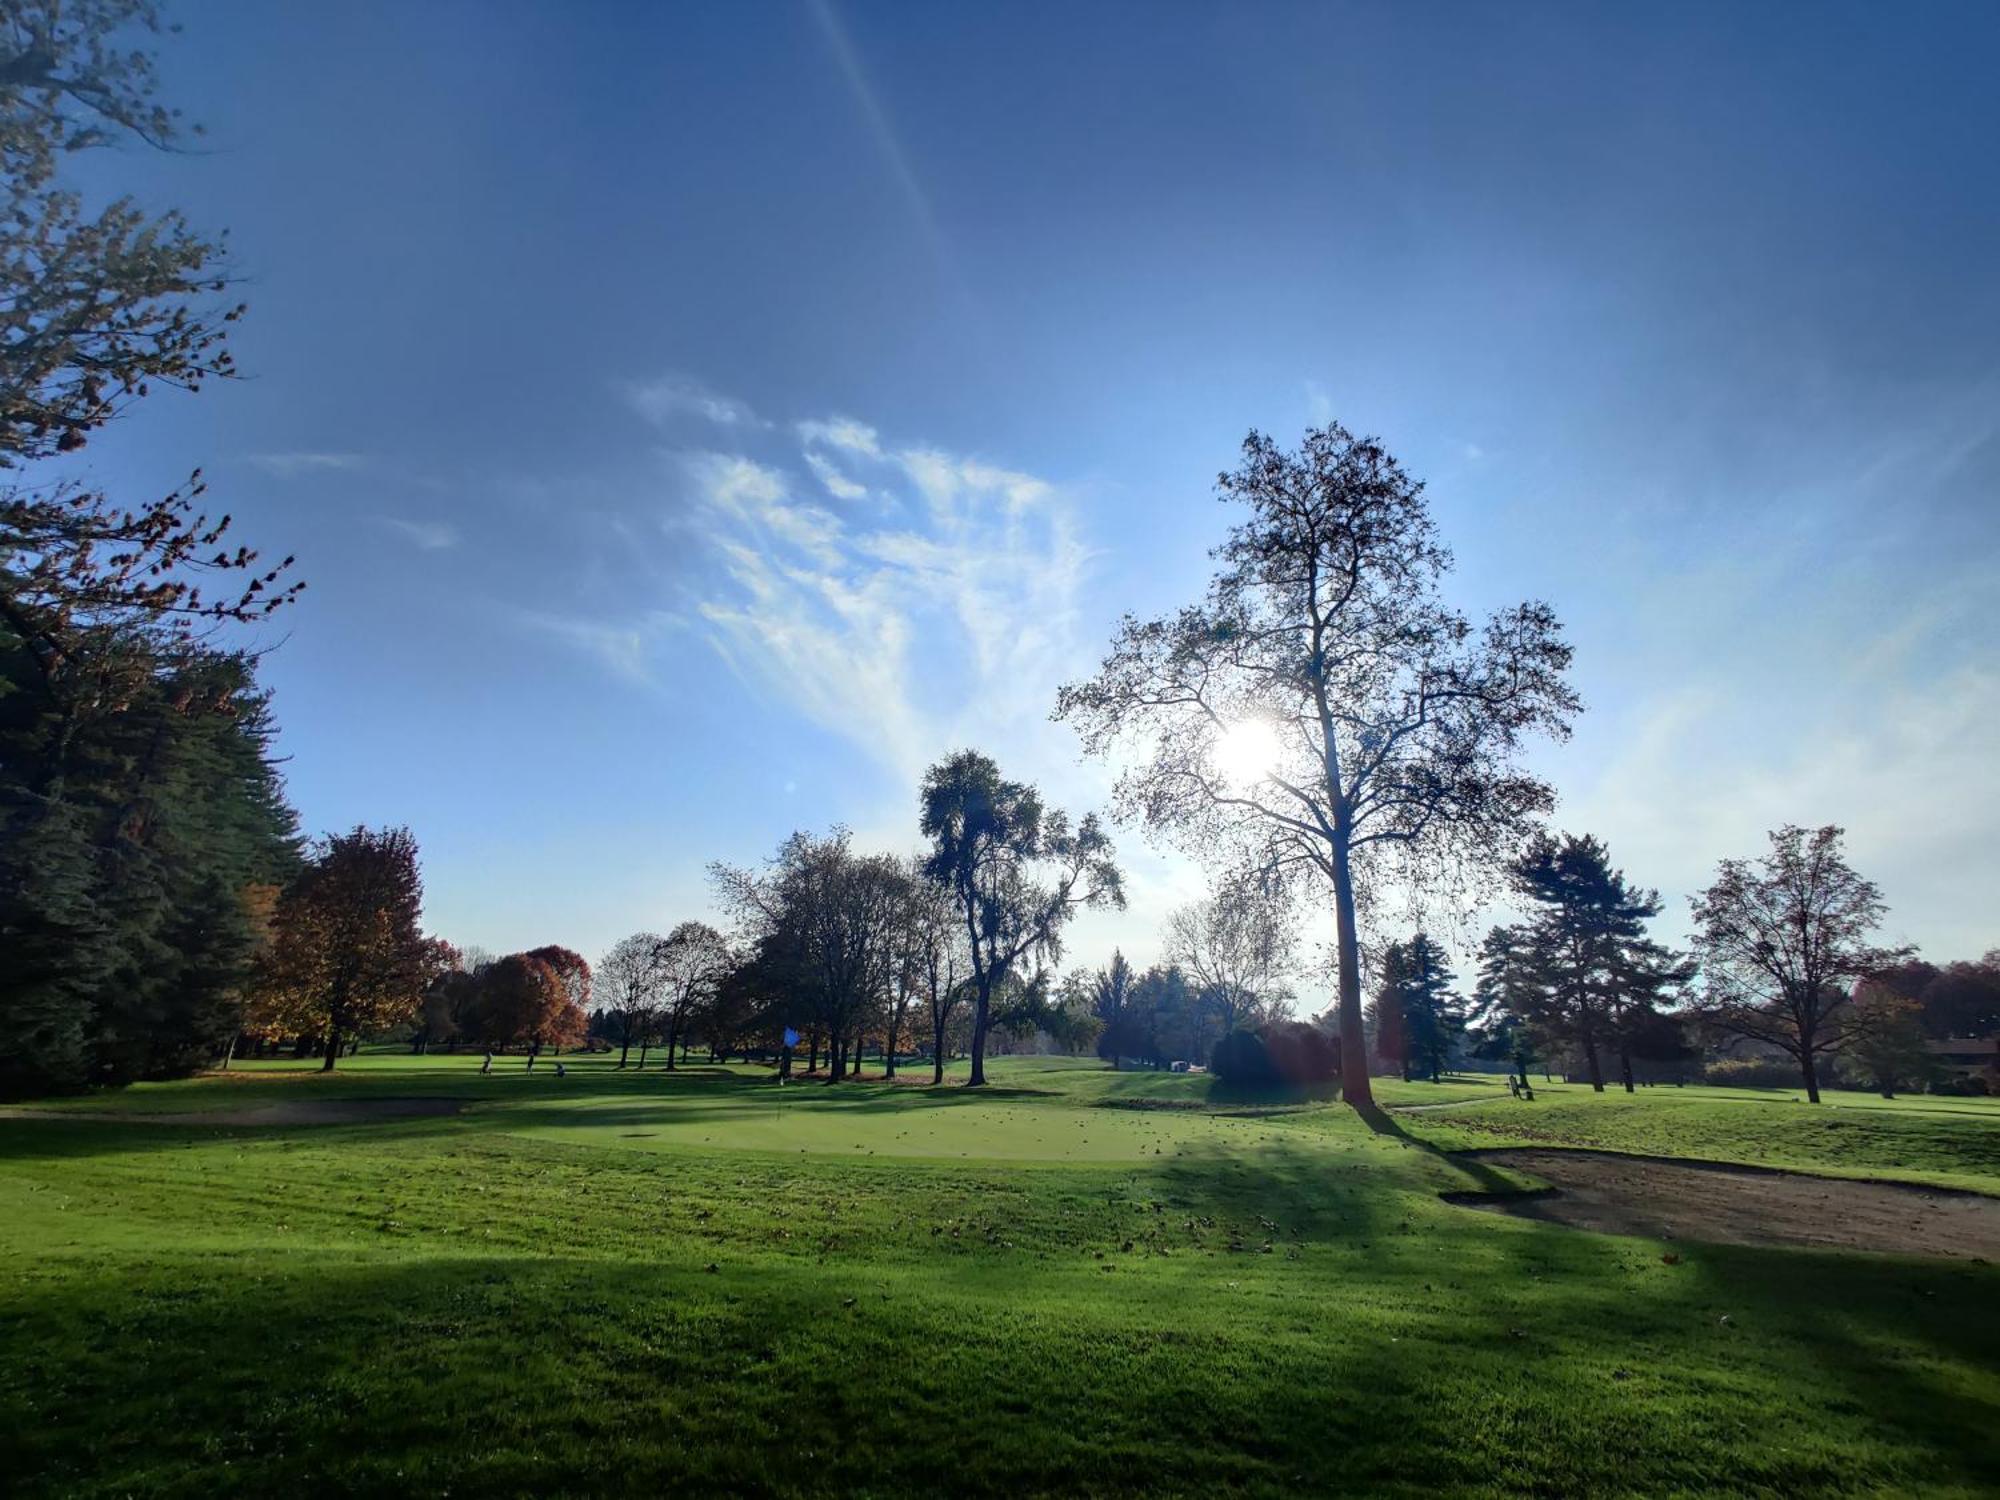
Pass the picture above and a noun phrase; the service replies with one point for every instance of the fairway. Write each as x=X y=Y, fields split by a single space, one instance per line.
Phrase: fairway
x=1079 y=1280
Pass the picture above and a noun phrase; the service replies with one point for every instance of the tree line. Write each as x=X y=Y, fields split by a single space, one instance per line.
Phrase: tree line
x=158 y=901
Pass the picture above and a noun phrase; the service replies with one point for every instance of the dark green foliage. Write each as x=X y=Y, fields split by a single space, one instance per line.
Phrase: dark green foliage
x=139 y=813
x=58 y=952
x=1580 y=972
x=133 y=845
x=1417 y=1008
x=1280 y=1056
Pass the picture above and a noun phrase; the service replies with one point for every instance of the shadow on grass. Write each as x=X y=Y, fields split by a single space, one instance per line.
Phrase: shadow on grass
x=1384 y=1123
x=337 y=1372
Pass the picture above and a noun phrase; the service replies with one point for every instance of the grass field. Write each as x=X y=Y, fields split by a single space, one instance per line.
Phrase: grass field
x=1951 y=1142
x=1077 y=1281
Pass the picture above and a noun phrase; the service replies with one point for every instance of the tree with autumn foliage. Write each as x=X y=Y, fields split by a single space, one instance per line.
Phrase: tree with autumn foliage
x=523 y=1001
x=347 y=957
x=574 y=971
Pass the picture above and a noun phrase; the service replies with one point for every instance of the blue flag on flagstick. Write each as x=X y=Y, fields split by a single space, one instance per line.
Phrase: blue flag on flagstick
x=791 y=1037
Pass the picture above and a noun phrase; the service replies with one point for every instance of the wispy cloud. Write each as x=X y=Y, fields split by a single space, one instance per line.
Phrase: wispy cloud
x=293 y=464
x=837 y=484
x=429 y=536
x=667 y=397
x=845 y=433
x=946 y=612
x=624 y=650
x=1893 y=743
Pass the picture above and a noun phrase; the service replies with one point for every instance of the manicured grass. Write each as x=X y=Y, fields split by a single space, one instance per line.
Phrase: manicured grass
x=620 y=1283
x=1918 y=1138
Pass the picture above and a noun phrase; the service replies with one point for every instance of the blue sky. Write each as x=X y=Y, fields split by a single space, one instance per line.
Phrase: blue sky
x=691 y=420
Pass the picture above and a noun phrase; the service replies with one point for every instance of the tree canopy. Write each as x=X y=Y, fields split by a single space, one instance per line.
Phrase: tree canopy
x=1323 y=713
x=1015 y=872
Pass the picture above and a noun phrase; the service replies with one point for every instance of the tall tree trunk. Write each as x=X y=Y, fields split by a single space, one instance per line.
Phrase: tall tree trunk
x=1809 y=1066
x=812 y=1052
x=1625 y=1066
x=1596 y=1068
x=229 y=1052
x=937 y=1051
x=332 y=1048
x=673 y=1035
x=981 y=1021
x=889 y=1051
x=1354 y=1085
x=625 y=1051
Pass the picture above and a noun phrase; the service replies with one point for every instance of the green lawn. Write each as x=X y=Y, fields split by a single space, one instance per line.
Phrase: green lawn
x=1952 y=1142
x=1079 y=1281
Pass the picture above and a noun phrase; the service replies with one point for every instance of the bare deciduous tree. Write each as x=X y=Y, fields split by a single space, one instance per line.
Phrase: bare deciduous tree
x=1781 y=941
x=628 y=980
x=1322 y=707
x=1237 y=947
x=692 y=960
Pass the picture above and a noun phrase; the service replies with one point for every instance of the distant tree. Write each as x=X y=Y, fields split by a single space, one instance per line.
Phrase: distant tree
x=1779 y=937
x=628 y=980
x=347 y=957
x=1110 y=994
x=1237 y=948
x=1389 y=1036
x=1417 y=1006
x=1292 y=1056
x=1889 y=1050
x=445 y=1012
x=524 y=1002
x=1499 y=1035
x=574 y=971
x=1958 y=1000
x=827 y=915
x=1580 y=970
x=1016 y=874
x=437 y=1012
x=1070 y=1020
x=1384 y=722
x=915 y=910
x=693 y=960
x=1157 y=1021
x=940 y=958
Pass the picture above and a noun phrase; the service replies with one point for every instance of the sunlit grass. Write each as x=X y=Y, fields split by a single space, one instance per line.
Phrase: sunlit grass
x=630 y=1283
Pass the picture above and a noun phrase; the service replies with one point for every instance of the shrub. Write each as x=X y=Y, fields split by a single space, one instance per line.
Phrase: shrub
x=1240 y=1060
x=1753 y=1073
x=1970 y=1087
x=1284 y=1055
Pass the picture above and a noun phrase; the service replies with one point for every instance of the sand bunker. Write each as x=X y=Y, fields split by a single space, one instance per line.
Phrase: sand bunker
x=285 y=1112
x=1664 y=1199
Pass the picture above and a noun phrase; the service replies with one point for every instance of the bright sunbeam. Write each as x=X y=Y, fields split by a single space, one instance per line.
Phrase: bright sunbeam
x=1247 y=751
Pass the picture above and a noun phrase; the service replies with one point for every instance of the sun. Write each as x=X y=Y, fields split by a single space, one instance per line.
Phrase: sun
x=1247 y=751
